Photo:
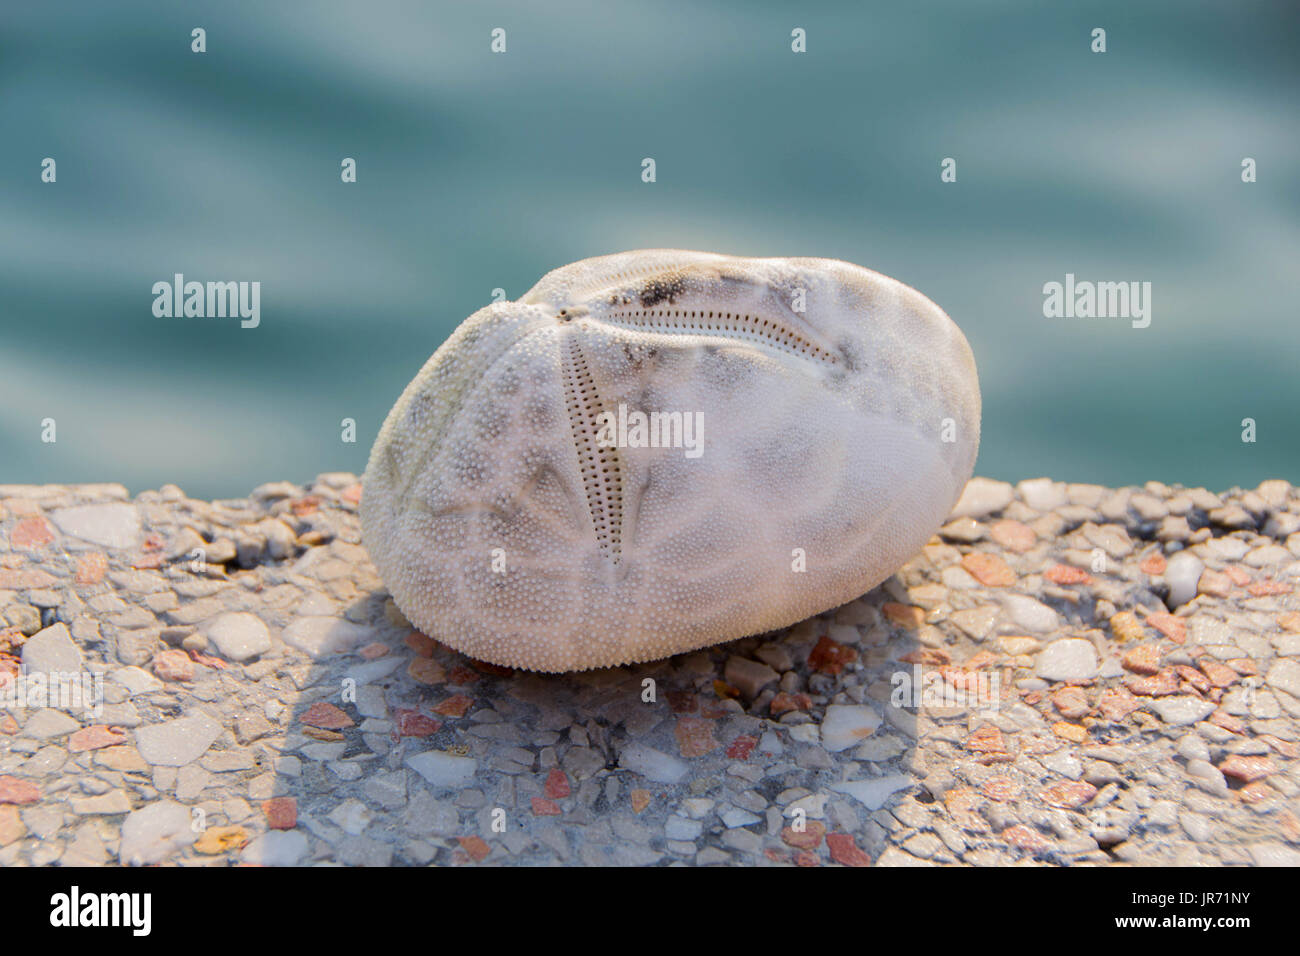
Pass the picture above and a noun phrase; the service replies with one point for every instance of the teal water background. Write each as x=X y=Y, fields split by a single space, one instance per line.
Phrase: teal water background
x=479 y=170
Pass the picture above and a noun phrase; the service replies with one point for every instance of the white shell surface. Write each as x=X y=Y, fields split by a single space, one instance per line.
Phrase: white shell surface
x=840 y=415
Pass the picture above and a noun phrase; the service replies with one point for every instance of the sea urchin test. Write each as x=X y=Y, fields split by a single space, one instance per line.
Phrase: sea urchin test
x=658 y=451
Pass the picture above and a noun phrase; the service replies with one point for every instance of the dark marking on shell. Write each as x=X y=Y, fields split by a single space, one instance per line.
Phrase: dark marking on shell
x=659 y=288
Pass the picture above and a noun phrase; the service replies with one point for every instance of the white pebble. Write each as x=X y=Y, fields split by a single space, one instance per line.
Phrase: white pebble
x=277 y=848
x=806 y=733
x=1070 y=658
x=1180 y=711
x=734 y=817
x=1030 y=615
x=983 y=496
x=1042 y=494
x=680 y=828
x=652 y=764
x=137 y=680
x=318 y=636
x=175 y=743
x=846 y=725
x=109 y=526
x=51 y=651
x=442 y=770
x=1181 y=574
x=873 y=793
x=1274 y=854
x=153 y=833
x=239 y=636
x=351 y=816
x=1285 y=676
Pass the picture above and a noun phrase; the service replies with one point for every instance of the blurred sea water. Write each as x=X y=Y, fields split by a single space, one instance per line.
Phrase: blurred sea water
x=479 y=171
